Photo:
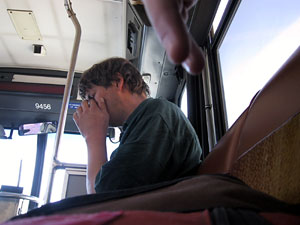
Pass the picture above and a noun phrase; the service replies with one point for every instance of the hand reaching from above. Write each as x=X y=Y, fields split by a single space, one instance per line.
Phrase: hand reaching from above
x=92 y=119
x=168 y=18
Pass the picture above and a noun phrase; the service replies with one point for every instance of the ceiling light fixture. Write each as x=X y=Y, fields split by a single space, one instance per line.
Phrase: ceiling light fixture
x=25 y=24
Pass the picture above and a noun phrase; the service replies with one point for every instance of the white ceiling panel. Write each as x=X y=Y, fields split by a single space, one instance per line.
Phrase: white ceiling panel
x=102 y=33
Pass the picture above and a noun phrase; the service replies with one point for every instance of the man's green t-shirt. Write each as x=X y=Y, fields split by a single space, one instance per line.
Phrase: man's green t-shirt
x=158 y=143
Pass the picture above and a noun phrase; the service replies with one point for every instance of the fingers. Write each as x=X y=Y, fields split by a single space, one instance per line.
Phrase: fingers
x=84 y=105
x=166 y=19
x=91 y=117
x=79 y=110
x=93 y=104
x=90 y=105
x=195 y=60
x=100 y=104
x=75 y=117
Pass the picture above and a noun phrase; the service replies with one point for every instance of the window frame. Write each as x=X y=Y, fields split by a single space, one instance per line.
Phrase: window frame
x=213 y=43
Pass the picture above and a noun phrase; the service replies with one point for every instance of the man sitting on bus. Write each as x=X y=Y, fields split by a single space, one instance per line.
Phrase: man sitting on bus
x=158 y=142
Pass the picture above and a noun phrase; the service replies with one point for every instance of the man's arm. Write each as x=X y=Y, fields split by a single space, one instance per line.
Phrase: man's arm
x=168 y=18
x=92 y=122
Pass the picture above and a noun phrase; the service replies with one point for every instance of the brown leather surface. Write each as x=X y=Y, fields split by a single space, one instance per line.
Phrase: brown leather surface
x=273 y=165
x=271 y=107
x=194 y=194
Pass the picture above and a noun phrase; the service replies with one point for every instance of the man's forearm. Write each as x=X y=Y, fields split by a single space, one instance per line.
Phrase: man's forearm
x=97 y=156
x=92 y=120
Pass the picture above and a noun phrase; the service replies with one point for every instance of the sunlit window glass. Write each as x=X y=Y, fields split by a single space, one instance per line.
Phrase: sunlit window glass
x=17 y=161
x=72 y=150
x=183 y=105
x=219 y=14
x=73 y=147
x=262 y=36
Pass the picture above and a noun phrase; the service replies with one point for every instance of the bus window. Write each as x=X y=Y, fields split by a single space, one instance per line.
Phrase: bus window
x=72 y=150
x=17 y=161
x=263 y=34
x=219 y=14
x=183 y=105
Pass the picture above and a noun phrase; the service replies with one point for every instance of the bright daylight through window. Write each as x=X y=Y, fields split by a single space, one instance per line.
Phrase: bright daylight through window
x=17 y=161
x=17 y=167
x=72 y=150
x=263 y=34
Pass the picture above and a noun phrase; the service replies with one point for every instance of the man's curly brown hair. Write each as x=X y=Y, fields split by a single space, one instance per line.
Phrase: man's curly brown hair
x=106 y=72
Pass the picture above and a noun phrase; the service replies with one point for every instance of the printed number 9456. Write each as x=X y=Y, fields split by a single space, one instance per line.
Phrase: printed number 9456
x=43 y=106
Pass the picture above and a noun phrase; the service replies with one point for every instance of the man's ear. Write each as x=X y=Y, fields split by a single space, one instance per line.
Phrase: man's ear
x=120 y=83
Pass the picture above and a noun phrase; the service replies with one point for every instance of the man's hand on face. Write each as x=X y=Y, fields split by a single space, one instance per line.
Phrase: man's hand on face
x=168 y=18
x=91 y=118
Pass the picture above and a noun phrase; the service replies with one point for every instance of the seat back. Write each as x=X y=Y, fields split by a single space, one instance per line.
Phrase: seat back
x=276 y=103
x=272 y=166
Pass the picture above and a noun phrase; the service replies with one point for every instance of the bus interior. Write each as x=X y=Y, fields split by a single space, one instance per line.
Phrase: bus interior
x=244 y=106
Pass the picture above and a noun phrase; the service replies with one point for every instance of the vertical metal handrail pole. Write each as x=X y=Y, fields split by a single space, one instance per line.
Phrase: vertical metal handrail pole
x=67 y=93
x=208 y=104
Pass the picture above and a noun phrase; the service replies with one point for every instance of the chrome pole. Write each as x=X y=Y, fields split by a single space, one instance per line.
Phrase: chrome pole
x=210 y=122
x=66 y=97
